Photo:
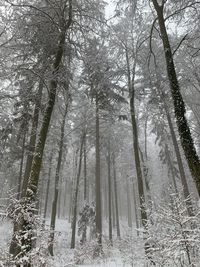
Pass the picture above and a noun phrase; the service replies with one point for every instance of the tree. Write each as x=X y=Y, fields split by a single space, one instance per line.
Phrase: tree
x=21 y=227
x=179 y=105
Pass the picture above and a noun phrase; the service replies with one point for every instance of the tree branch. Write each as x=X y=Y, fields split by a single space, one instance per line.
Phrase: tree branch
x=33 y=7
x=182 y=40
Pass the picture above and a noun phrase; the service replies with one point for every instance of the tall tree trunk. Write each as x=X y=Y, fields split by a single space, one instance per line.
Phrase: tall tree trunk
x=98 y=185
x=47 y=189
x=64 y=201
x=113 y=209
x=75 y=202
x=59 y=199
x=33 y=136
x=128 y=203
x=21 y=227
x=109 y=194
x=145 y=137
x=21 y=166
x=179 y=105
x=131 y=80
x=56 y=189
x=60 y=193
x=74 y=175
x=135 y=210
x=70 y=200
x=105 y=199
x=116 y=197
x=138 y=166
x=85 y=169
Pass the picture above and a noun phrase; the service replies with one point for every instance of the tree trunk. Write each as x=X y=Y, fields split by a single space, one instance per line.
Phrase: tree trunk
x=75 y=202
x=47 y=190
x=128 y=203
x=138 y=166
x=85 y=170
x=135 y=210
x=56 y=189
x=145 y=137
x=70 y=200
x=116 y=197
x=98 y=185
x=33 y=137
x=21 y=166
x=109 y=194
x=65 y=199
x=131 y=79
x=179 y=105
x=113 y=209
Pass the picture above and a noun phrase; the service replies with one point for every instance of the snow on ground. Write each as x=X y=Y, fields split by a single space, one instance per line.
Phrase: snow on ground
x=126 y=252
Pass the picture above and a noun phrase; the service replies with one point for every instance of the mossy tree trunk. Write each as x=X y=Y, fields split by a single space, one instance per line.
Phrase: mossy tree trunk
x=179 y=105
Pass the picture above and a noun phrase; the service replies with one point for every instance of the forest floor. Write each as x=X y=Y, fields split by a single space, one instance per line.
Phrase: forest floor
x=125 y=252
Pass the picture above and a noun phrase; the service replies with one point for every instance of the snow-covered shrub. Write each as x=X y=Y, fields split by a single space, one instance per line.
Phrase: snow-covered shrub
x=86 y=219
x=174 y=235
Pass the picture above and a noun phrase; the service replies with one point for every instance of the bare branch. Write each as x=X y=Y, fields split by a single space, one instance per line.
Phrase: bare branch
x=182 y=9
x=182 y=40
x=34 y=7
